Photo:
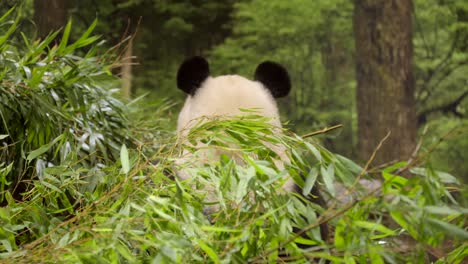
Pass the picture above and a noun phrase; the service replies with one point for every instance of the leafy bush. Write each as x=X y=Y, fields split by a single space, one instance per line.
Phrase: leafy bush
x=138 y=214
x=55 y=106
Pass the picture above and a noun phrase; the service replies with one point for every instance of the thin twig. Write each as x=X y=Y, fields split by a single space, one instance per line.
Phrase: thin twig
x=414 y=155
x=126 y=38
x=374 y=153
x=365 y=168
x=378 y=168
x=325 y=130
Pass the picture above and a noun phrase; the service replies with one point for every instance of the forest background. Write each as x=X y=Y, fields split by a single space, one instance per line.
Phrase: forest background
x=315 y=40
x=371 y=66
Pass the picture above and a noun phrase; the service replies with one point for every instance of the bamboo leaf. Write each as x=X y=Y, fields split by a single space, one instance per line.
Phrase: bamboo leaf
x=65 y=37
x=452 y=230
x=124 y=159
x=43 y=149
x=310 y=181
x=209 y=251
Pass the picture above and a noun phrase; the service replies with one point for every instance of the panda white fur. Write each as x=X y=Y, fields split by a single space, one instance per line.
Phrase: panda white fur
x=225 y=95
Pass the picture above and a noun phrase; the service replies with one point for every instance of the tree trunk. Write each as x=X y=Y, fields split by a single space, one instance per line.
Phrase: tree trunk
x=385 y=84
x=49 y=15
x=127 y=70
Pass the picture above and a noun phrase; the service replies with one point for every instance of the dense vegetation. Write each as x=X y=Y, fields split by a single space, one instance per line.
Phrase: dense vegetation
x=85 y=177
x=314 y=40
x=54 y=108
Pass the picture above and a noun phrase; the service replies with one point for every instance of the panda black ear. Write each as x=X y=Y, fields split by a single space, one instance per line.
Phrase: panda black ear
x=274 y=77
x=192 y=73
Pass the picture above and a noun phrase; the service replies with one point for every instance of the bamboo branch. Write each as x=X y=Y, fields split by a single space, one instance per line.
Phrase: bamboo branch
x=324 y=130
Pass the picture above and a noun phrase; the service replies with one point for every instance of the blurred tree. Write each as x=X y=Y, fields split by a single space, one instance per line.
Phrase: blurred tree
x=385 y=84
x=49 y=15
x=441 y=58
x=168 y=31
x=441 y=64
x=313 y=39
x=126 y=70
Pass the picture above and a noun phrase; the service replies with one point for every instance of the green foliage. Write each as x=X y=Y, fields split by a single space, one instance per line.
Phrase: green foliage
x=441 y=54
x=312 y=39
x=93 y=196
x=441 y=60
x=446 y=142
x=144 y=216
x=165 y=32
x=55 y=106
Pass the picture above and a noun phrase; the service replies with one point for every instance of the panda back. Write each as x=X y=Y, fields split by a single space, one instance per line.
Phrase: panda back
x=225 y=96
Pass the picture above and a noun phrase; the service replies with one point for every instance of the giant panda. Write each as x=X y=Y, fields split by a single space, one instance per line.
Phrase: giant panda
x=226 y=95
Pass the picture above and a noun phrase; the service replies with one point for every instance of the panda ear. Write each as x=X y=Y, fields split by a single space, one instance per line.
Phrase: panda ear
x=274 y=77
x=192 y=73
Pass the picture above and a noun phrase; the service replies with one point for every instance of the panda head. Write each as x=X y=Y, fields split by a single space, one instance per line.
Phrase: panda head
x=225 y=95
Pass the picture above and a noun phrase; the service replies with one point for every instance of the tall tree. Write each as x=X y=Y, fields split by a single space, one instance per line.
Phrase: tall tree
x=126 y=70
x=49 y=15
x=385 y=84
